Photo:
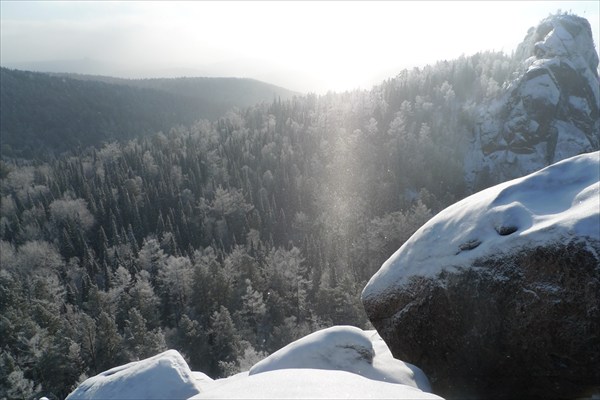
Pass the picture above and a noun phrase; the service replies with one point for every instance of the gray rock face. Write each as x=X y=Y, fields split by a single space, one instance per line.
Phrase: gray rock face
x=526 y=326
x=550 y=112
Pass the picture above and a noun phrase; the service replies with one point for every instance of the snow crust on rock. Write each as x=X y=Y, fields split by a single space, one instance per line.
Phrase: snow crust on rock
x=345 y=348
x=164 y=376
x=291 y=383
x=556 y=204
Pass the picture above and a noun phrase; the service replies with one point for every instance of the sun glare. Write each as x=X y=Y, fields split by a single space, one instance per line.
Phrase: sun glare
x=305 y=46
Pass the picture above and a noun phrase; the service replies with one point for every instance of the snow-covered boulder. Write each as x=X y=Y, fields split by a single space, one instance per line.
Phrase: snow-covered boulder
x=549 y=112
x=164 y=376
x=308 y=383
x=345 y=348
x=498 y=295
x=341 y=362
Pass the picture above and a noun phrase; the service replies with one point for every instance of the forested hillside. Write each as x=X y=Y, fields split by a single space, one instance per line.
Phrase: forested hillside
x=225 y=93
x=229 y=238
x=43 y=113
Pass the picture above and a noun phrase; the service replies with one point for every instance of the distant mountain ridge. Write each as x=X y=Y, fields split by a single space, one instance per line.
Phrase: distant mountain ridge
x=56 y=112
x=226 y=91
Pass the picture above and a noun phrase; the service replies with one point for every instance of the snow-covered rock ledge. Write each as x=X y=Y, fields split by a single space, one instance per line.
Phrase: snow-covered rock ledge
x=497 y=295
x=164 y=376
x=342 y=362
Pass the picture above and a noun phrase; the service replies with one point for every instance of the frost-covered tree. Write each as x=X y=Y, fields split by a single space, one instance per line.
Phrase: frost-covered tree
x=174 y=283
x=140 y=341
x=225 y=342
x=108 y=344
x=71 y=212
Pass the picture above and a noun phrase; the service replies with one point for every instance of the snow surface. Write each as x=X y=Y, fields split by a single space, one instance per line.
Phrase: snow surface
x=342 y=362
x=556 y=204
x=310 y=384
x=201 y=379
x=164 y=376
x=345 y=348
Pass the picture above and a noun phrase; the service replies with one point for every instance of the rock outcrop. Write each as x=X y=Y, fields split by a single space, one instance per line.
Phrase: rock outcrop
x=549 y=112
x=498 y=296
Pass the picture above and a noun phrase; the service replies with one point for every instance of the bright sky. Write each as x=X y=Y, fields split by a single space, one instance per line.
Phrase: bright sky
x=304 y=46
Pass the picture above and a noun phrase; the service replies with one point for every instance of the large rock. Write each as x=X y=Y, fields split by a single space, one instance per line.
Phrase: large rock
x=549 y=112
x=498 y=296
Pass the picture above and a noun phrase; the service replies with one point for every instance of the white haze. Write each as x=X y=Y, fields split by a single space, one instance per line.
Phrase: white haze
x=303 y=46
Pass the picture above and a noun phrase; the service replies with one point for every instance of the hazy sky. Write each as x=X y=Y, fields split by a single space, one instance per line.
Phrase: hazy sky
x=304 y=46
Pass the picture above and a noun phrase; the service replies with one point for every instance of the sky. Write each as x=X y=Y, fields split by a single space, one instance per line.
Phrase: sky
x=307 y=46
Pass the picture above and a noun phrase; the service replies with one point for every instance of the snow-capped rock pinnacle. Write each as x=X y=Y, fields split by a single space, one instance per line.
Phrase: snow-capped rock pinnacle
x=549 y=112
x=560 y=35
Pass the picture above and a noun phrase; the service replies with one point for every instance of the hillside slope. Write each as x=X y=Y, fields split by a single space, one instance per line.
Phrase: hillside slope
x=224 y=92
x=58 y=113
